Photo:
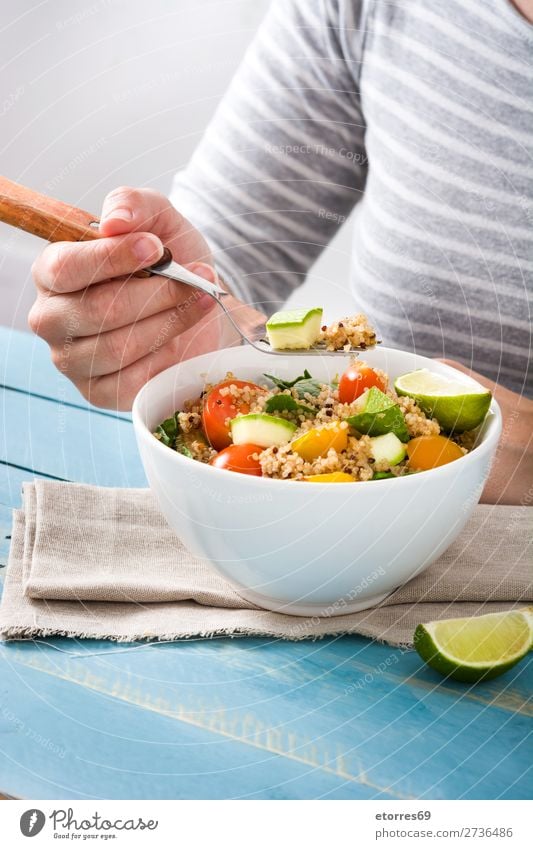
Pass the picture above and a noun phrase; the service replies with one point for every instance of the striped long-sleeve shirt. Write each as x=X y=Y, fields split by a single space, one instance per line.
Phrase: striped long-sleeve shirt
x=422 y=114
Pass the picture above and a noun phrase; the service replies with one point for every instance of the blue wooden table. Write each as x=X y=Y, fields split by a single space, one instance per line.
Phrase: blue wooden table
x=228 y=718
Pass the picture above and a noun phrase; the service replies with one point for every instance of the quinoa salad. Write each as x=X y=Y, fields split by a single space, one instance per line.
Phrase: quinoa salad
x=351 y=332
x=361 y=427
x=302 y=329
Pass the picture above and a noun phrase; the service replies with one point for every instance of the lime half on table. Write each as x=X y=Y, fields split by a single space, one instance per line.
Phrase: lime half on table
x=476 y=648
x=457 y=404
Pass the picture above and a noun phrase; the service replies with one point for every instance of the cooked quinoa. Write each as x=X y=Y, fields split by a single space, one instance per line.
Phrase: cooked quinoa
x=320 y=408
x=351 y=332
x=190 y=421
x=418 y=424
x=356 y=460
x=468 y=439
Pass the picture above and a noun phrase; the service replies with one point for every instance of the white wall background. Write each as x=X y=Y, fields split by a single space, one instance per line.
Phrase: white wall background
x=98 y=94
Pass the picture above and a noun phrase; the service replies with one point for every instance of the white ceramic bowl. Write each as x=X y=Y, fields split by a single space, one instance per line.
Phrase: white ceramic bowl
x=306 y=548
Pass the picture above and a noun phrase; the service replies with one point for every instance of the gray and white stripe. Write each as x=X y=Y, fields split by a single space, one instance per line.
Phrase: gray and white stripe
x=422 y=114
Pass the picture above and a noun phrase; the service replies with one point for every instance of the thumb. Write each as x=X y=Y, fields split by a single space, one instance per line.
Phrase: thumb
x=203 y=269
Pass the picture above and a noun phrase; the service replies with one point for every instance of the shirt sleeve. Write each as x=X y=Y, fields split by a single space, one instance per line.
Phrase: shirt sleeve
x=282 y=162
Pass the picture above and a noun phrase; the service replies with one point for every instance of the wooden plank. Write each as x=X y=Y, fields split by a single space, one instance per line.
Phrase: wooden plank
x=25 y=366
x=68 y=443
x=5 y=533
x=67 y=743
x=315 y=704
x=11 y=480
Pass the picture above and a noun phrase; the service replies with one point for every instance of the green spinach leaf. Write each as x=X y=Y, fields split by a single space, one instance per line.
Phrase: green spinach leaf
x=303 y=384
x=287 y=384
x=171 y=434
x=279 y=403
x=168 y=430
x=182 y=447
x=308 y=386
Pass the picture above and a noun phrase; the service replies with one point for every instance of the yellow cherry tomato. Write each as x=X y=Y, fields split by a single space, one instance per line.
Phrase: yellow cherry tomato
x=428 y=452
x=317 y=441
x=331 y=477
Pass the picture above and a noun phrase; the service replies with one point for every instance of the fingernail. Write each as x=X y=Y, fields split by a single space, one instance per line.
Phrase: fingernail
x=145 y=250
x=202 y=269
x=122 y=213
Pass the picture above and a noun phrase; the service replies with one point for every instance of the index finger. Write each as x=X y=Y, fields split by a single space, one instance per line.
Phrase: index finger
x=71 y=266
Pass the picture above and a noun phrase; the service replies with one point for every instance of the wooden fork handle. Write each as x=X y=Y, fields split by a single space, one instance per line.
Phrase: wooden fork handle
x=44 y=216
x=52 y=219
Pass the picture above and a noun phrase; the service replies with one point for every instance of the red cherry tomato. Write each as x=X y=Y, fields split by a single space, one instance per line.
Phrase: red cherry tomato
x=238 y=458
x=218 y=408
x=356 y=379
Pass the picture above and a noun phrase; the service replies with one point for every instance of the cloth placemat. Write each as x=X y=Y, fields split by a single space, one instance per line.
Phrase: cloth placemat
x=103 y=563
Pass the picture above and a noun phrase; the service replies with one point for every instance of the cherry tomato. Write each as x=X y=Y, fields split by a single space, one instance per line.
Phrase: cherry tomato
x=356 y=379
x=238 y=458
x=219 y=407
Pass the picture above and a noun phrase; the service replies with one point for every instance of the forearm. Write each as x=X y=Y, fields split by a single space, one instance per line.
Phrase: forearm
x=511 y=478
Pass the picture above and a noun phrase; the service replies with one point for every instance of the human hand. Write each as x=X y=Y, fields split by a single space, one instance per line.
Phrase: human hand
x=110 y=332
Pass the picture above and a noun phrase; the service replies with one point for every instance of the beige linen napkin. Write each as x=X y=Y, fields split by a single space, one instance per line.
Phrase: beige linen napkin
x=94 y=562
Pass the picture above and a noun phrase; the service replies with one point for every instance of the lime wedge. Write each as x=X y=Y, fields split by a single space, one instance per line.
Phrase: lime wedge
x=478 y=647
x=457 y=404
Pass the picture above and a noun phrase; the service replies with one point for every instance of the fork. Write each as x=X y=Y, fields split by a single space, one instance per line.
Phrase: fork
x=57 y=221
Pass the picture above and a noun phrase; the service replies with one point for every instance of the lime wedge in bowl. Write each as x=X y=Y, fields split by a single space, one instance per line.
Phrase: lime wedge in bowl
x=476 y=648
x=457 y=404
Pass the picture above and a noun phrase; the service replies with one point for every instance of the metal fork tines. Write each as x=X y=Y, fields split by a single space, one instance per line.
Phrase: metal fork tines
x=257 y=336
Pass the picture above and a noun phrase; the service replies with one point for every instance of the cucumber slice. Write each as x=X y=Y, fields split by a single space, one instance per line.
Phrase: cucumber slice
x=377 y=414
x=294 y=329
x=388 y=449
x=261 y=429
